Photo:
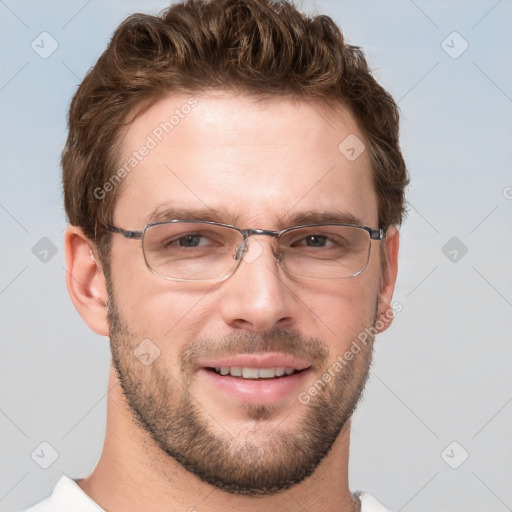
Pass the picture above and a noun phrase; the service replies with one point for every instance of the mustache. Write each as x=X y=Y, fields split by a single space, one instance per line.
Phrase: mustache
x=285 y=341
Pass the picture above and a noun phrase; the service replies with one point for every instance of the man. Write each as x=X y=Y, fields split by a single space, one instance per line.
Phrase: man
x=234 y=185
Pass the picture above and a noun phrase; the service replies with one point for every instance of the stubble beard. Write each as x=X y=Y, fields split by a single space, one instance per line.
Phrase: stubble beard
x=258 y=460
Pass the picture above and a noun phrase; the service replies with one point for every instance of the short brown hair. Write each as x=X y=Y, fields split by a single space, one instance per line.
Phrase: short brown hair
x=261 y=47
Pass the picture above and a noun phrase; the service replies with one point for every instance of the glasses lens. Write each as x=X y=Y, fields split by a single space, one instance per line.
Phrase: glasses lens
x=191 y=251
x=325 y=252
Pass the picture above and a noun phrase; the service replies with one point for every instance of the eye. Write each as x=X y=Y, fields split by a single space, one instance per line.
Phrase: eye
x=318 y=240
x=202 y=240
x=190 y=240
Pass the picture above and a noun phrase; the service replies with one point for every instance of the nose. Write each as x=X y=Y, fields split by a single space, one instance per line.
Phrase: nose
x=256 y=297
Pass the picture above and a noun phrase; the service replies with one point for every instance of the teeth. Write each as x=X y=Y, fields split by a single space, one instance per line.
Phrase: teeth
x=254 y=373
x=236 y=371
x=250 y=373
x=266 y=373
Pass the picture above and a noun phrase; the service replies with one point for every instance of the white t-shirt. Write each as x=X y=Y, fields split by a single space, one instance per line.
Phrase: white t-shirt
x=68 y=497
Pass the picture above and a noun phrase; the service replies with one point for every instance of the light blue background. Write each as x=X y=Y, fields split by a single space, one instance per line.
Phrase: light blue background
x=441 y=374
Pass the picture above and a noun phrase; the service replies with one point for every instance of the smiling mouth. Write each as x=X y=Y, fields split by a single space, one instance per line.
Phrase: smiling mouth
x=244 y=372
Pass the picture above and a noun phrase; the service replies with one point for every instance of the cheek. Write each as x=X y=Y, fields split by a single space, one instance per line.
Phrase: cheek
x=158 y=309
x=167 y=312
x=338 y=312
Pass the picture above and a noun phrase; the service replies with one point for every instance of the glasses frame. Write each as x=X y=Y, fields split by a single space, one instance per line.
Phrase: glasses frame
x=375 y=234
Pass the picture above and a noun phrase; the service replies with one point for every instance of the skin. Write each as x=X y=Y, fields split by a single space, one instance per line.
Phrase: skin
x=258 y=161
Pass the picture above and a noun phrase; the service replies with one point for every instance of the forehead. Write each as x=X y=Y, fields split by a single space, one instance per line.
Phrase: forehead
x=248 y=160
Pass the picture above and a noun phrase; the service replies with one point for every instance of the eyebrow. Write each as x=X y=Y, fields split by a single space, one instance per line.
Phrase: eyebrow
x=162 y=213
x=329 y=217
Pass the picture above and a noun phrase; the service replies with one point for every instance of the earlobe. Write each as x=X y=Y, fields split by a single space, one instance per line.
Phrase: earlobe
x=385 y=312
x=85 y=281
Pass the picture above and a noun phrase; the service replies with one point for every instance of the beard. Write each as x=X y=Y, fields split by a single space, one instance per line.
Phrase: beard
x=255 y=460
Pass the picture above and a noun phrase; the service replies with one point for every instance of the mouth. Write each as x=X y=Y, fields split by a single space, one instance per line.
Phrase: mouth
x=255 y=378
x=247 y=372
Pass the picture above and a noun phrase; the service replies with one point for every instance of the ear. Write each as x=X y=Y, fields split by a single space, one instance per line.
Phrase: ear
x=385 y=312
x=85 y=280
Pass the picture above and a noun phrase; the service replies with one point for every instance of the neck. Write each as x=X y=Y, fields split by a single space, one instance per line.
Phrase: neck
x=135 y=474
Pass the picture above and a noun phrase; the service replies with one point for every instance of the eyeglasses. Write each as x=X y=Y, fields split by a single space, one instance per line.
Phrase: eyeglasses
x=190 y=250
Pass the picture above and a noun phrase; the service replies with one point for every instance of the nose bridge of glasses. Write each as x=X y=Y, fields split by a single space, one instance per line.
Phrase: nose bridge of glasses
x=242 y=248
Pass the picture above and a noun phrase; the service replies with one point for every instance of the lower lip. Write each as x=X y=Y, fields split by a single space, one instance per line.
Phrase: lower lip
x=257 y=391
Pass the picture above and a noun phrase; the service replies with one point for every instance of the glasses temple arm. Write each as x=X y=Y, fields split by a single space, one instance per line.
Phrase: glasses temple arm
x=377 y=234
x=125 y=232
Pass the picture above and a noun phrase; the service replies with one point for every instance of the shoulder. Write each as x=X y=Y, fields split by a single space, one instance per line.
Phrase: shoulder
x=66 y=497
x=370 y=504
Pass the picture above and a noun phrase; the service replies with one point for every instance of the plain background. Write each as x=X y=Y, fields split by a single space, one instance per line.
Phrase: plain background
x=440 y=389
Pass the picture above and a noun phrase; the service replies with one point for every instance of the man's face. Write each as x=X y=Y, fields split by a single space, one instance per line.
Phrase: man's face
x=254 y=165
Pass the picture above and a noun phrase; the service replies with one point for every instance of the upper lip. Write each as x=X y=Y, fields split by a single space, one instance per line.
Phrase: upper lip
x=268 y=360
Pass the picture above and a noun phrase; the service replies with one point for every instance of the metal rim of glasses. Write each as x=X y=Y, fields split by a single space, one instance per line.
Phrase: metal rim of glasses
x=373 y=234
